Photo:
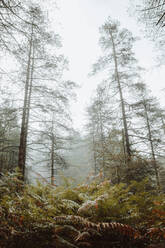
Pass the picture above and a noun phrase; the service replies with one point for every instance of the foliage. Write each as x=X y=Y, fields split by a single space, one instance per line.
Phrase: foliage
x=115 y=211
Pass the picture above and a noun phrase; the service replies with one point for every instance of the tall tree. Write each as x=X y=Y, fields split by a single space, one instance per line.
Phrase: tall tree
x=25 y=115
x=37 y=41
x=119 y=61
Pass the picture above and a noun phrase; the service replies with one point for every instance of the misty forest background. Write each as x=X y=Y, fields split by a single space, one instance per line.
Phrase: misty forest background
x=114 y=170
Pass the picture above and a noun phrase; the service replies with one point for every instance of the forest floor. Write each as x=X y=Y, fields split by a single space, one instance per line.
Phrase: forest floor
x=98 y=215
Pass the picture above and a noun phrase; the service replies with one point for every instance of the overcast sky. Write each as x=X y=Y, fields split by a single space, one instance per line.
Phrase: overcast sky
x=80 y=21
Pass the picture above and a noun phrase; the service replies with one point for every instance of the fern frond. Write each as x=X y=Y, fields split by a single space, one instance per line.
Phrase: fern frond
x=73 y=220
x=117 y=228
x=155 y=233
x=110 y=228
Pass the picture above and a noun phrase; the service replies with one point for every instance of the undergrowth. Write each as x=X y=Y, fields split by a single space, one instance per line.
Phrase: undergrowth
x=30 y=211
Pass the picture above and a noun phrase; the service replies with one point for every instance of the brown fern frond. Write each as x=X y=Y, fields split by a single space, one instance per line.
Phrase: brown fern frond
x=117 y=228
x=111 y=228
x=73 y=220
x=155 y=233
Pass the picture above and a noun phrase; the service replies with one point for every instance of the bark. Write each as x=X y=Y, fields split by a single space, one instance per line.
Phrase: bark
x=127 y=143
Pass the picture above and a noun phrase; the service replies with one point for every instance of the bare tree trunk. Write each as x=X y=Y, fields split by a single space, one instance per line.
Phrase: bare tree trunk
x=127 y=143
x=102 y=138
x=29 y=102
x=123 y=144
x=94 y=152
x=23 y=135
x=152 y=147
x=52 y=160
x=102 y=146
x=52 y=151
x=118 y=174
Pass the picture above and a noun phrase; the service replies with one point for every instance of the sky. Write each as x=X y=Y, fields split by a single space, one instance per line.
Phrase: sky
x=79 y=26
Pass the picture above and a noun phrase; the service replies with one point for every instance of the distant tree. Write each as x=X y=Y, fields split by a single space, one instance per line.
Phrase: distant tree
x=147 y=110
x=106 y=140
x=95 y=113
x=55 y=130
x=9 y=133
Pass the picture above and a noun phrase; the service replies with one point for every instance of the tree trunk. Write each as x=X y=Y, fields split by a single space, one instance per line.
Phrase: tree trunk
x=52 y=151
x=52 y=161
x=127 y=143
x=123 y=144
x=94 y=152
x=152 y=147
x=23 y=135
x=102 y=138
x=102 y=146
x=29 y=102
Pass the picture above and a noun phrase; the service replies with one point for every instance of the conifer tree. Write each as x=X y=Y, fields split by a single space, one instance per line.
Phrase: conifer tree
x=36 y=67
x=119 y=62
x=147 y=109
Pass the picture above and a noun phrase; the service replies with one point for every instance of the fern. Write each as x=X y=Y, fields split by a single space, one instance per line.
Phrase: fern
x=156 y=234
x=27 y=212
x=111 y=228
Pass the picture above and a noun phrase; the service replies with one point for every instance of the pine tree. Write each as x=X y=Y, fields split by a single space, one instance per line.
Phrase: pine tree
x=106 y=139
x=120 y=63
x=39 y=67
x=147 y=110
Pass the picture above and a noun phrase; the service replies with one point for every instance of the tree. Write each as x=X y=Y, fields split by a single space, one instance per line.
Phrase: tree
x=120 y=63
x=147 y=110
x=37 y=39
x=26 y=35
x=9 y=132
x=55 y=131
x=106 y=140
x=96 y=113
